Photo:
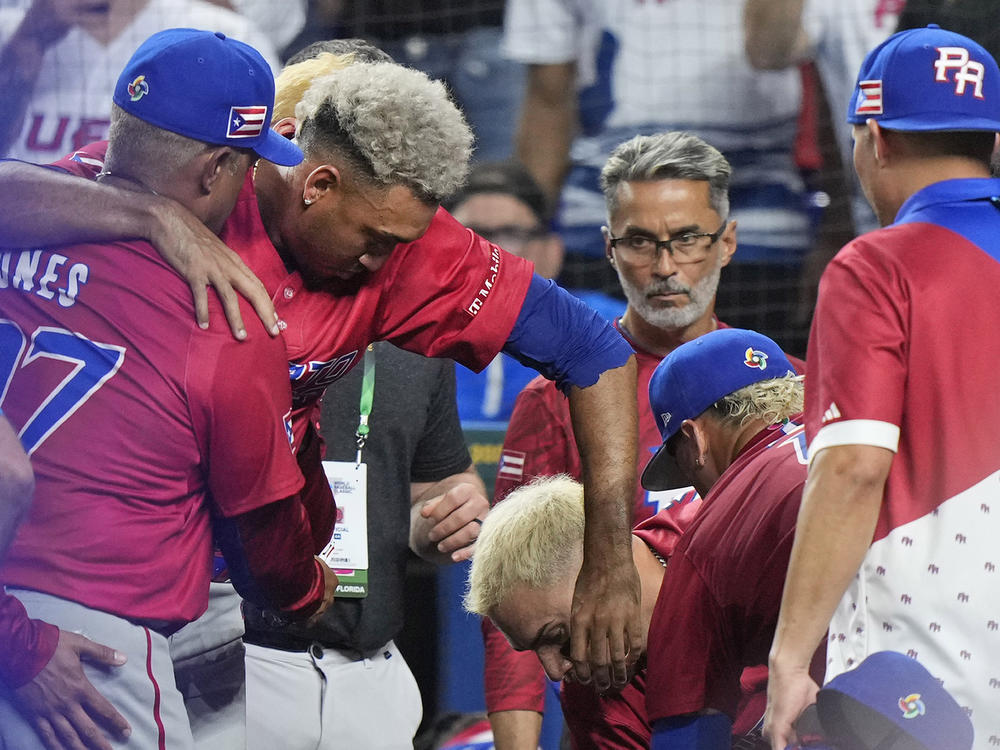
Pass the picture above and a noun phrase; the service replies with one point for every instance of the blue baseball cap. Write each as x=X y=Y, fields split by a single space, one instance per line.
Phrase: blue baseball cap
x=697 y=374
x=925 y=80
x=205 y=86
x=892 y=702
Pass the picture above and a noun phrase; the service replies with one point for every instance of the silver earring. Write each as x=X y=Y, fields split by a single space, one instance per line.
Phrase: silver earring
x=307 y=201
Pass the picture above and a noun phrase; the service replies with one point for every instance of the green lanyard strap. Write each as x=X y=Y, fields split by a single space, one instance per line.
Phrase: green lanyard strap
x=367 y=396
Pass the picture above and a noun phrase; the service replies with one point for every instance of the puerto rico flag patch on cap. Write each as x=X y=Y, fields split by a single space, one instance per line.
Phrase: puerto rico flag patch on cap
x=246 y=122
x=869 y=100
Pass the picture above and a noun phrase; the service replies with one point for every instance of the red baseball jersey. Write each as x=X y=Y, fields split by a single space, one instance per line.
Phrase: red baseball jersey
x=719 y=600
x=449 y=294
x=905 y=358
x=136 y=422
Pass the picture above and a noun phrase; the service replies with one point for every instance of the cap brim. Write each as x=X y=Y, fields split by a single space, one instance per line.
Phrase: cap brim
x=927 y=124
x=662 y=472
x=278 y=149
x=851 y=723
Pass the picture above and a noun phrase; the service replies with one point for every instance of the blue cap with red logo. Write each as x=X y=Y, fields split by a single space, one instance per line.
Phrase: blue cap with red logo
x=697 y=374
x=205 y=86
x=926 y=80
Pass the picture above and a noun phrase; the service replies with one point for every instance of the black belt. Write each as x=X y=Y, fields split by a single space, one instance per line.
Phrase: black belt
x=297 y=644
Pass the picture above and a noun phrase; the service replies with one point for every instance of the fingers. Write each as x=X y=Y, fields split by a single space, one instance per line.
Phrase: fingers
x=253 y=291
x=101 y=709
x=200 y=294
x=98 y=653
x=458 y=517
x=231 y=307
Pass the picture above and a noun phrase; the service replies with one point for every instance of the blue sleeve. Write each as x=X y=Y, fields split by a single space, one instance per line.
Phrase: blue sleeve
x=564 y=339
x=692 y=732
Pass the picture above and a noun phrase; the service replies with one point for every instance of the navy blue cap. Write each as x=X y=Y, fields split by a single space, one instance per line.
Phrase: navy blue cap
x=925 y=80
x=205 y=86
x=697 y=374
x=891 y=701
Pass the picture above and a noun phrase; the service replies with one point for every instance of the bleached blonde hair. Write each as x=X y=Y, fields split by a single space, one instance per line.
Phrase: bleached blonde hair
x=773 y=401
x=533 y=537
x=294 y=80
x=394 y=124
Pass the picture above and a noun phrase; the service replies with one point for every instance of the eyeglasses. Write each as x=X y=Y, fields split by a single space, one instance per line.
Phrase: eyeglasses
x=689 y=247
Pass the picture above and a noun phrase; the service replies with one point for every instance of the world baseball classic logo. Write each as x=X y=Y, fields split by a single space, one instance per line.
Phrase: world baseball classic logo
x=911 y=706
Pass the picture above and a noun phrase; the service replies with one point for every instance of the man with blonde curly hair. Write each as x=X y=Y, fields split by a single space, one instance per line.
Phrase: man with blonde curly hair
x=727 y=405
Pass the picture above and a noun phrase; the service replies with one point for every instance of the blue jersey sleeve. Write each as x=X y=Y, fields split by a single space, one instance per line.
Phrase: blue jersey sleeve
x=564 y=339
x=692 y=732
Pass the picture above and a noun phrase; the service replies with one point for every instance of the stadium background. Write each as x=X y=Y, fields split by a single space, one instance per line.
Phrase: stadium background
x=458 y=41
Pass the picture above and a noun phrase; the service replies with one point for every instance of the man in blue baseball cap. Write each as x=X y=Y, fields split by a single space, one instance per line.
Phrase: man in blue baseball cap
x=728 y=405
x=136 y=423
x=896 y=543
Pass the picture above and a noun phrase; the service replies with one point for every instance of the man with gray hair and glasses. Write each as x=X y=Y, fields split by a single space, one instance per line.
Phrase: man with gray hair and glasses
x=668 y=237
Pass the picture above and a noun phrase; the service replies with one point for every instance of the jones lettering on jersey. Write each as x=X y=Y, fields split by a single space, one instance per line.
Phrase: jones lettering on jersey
x=310 y=379
x=484 y=292
x=966 y=71
x=43 y=273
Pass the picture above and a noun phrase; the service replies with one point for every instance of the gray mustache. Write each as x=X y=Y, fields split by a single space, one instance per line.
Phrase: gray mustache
x=667 y=285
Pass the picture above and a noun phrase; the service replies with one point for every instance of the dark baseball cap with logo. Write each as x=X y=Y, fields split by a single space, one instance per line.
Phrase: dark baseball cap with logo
x=891 y=702
x=697 y=374
x=928 y=79
x=206 y=86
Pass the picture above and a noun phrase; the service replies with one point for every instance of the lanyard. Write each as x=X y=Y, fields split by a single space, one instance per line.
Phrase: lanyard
x=367 y=396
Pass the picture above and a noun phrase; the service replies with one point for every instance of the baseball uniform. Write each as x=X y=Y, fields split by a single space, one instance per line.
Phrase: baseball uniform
x=719 y=599
x=109 y=370
x=539 y=442
x=902 y=360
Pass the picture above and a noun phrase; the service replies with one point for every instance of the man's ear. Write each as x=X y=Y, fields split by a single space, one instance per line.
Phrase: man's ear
x=218 y=162
x=606 y=233
x=286 y=126
x=880 y=143
x=728 y=243
x=695 y=432
x=324 y=180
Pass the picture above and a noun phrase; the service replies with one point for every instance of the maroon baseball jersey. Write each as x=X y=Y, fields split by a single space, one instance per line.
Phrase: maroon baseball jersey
x=540 y=442
x=136 y=421
x=719 y=600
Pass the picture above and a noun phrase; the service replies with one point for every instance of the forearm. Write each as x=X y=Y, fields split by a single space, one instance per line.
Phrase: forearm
x=548 y=124
x=269 y=553
x=26 y=645
x=605 y=421
x=75 y=209
x=836 y=522
x=774 y=38
x=516 y=730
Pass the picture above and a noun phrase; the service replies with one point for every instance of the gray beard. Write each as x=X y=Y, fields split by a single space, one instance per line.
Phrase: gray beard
x=700 y=298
